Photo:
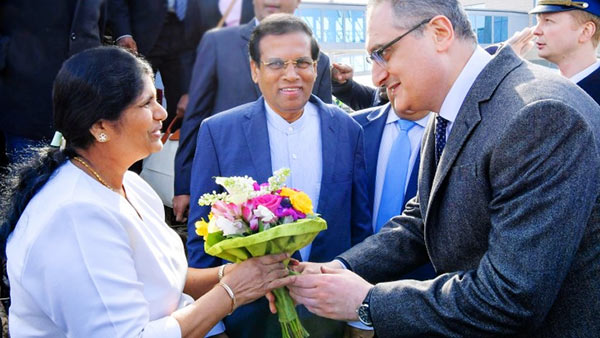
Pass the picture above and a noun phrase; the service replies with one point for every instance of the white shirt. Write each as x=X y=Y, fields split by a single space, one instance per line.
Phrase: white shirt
x=459 y=90
x=82 y=263
x=297 y=146
x=390 y=132
x=584 y=73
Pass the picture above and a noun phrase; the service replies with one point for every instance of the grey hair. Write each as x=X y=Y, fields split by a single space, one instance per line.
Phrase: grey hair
x=411 y=12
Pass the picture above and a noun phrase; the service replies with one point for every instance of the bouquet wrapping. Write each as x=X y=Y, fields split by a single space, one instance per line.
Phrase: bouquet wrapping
x=252 y=220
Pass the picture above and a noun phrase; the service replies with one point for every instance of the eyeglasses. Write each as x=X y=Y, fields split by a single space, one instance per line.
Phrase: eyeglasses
x=279 y=64
x=377 y=55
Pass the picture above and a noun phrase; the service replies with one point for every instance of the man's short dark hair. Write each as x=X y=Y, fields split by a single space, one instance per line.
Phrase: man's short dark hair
x=280 y=24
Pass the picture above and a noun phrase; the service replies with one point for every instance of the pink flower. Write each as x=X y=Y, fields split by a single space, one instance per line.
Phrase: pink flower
x=229 y=211
x=269 y=201
x=254 y=224
x=257 y=187
x=247 y=208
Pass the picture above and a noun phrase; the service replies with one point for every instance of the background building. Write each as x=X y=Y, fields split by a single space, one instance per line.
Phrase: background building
x=512 y=5
x=340 y=26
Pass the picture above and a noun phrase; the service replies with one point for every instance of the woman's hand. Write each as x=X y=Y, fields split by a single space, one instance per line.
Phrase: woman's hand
x=255 y=277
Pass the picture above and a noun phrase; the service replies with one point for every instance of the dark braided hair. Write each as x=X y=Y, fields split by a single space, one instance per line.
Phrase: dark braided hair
x=96 y=84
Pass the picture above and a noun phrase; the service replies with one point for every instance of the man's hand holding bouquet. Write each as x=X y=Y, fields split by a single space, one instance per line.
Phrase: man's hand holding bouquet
x=252 y=220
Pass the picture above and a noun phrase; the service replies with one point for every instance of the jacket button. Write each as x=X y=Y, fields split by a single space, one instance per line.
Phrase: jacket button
x=73 y=36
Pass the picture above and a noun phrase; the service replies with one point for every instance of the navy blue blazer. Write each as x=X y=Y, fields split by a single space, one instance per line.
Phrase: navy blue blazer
x=373 y=121
x=236 y=143
x=221 y=80
x=591 y=85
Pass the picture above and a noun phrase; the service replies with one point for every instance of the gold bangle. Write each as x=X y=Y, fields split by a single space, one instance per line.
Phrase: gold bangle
x=231 y=295
x=221 y=273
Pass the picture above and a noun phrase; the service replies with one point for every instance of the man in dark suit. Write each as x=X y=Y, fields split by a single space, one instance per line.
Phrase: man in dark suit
x=201 y=16
x=206 y=14
x=567 y=35
x=33 y=46
x=506 y=209
x=156 y=30
x=221 y=80
x=351 y=93
x=287 y=127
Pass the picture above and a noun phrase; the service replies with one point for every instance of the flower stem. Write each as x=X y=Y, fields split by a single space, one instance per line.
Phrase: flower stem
x=291 y=327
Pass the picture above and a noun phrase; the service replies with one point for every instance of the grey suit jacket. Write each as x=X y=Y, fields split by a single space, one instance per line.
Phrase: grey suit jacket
x=509 y=219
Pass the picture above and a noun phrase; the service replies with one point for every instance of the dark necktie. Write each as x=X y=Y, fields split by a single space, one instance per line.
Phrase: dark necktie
x=440 y=137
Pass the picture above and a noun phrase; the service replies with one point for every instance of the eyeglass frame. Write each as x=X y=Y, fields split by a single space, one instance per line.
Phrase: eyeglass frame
x=288 y=62
x=377 y=55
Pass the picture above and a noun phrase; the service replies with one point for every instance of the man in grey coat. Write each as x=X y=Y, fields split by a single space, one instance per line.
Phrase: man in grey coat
x=506 y=209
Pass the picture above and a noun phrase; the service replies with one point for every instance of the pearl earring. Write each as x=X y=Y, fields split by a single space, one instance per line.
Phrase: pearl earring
x=102 y=138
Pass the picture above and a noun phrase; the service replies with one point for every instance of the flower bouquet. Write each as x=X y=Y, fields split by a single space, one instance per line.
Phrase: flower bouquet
x=252 y=220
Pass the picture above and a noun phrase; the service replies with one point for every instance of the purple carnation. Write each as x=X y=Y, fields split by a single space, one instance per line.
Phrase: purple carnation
x=283 y=212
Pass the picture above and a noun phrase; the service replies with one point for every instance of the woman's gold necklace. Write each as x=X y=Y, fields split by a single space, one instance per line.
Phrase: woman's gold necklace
x=98 y=177
x=103 y=182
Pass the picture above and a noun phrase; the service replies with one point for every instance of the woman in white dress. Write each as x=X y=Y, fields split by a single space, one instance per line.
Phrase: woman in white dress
x=88 y=251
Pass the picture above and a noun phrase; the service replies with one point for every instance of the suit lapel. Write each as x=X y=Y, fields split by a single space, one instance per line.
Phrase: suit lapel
x=411 y=188
x=329 y=141
x=373 y=130
x=427 y=167
x=468 y=116
x=245 y=31
x=257 y=139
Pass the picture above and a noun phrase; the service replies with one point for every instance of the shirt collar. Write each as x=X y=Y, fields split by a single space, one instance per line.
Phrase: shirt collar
x=459 y=90
x=584 y=73
x=282 y=125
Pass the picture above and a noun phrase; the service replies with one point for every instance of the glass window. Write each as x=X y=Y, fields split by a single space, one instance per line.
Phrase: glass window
x=358 y=17
x=358 y=63
x=500 y=28
x=339 y=27
x=329 y=21
x=348 y=29
x=482 y=26
x=312 y=19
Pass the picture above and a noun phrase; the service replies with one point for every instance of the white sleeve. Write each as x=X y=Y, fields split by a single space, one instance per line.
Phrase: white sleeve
x=84 y=271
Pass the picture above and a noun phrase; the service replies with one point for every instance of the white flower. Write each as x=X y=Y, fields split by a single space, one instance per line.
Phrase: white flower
x=278 y=179
x=239 y=188
x=230 y=227
x=264 y=214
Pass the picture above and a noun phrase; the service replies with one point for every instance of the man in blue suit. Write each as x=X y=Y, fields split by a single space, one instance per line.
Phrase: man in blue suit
x=392 y=143
x=287 y=127
x=221 y=80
